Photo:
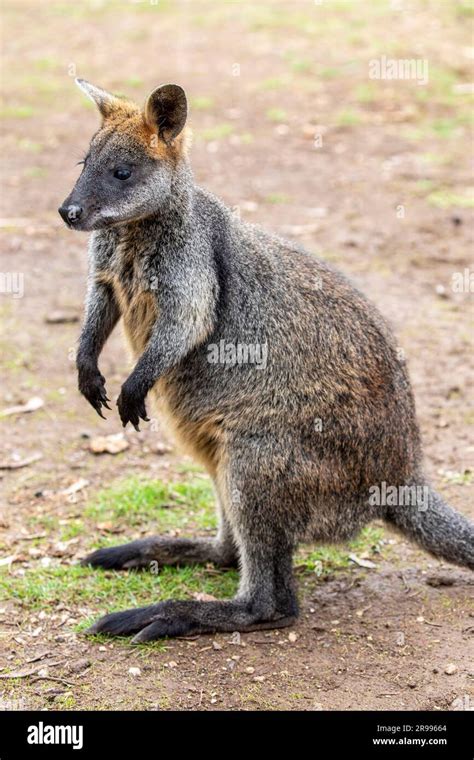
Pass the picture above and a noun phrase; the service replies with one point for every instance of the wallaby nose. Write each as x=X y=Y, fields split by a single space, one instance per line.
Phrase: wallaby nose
x=70 y=214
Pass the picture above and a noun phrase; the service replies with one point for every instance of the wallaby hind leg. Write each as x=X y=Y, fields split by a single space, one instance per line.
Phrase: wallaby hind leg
x=165 y=550
x=266 y=597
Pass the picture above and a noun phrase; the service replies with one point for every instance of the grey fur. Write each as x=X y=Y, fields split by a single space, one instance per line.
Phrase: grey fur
x=293 y=448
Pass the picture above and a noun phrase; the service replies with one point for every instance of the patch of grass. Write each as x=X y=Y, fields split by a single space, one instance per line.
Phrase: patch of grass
x=30 y=145
x=298 y=64
x=43 y=523
x=16 y=112
x=72 y=529
x=202 y=102
x=217 y=132
x=434 y=158
x=41 y=85
x=328 y=72
x=277 y=198
x=423 y=186
x=366 y=93
x=272 y=83
x=447 y=199
x=445 y=127
x=105 y=591
x=168 y=505
x=276 y=114
x=36 y=172
x=47 y=64
x=326 y=559
x=189 y=467
x=464 y=478
x=347 y=118
x=134 y=81
x=464 y=8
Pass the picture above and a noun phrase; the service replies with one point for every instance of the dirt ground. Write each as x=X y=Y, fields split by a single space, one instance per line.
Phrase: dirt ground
x=371 y=174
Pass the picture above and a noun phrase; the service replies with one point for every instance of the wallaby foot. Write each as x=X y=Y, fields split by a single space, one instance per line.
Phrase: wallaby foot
x=184 y=618
x=164 y=551
x=266 y=596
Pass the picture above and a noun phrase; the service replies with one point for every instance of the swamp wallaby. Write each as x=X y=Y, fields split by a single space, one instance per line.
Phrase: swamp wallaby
x=272 y=370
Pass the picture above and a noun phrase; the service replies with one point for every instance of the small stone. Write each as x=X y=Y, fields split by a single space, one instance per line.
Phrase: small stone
x=161 y=449
x=250 y=669
x=79 y=665
x=216 y=645
x=450 y=669
x=110 y=444
x=292 y=637
x=135 y=672
x=259 y=679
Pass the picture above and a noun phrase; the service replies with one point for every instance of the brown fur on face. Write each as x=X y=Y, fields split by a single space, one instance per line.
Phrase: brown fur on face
x=137 y=125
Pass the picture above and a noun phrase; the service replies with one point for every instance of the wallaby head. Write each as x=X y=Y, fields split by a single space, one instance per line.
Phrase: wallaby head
x=132 y=159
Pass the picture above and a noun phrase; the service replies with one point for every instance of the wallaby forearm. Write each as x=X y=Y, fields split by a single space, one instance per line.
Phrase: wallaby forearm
x=102 y=314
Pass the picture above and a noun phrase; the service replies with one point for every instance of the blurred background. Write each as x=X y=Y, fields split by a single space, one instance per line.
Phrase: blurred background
x=344 y=125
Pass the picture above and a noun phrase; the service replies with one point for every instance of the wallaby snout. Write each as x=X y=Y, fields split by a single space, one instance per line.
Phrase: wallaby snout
x=70 y=213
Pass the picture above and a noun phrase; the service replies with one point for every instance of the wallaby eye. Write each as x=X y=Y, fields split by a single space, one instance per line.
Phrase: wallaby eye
x=121 y=172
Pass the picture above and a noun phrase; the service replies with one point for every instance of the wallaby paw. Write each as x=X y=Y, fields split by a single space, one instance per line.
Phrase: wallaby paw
x=124 y=623
x=131 y=405
x=92 y=386
x=148 y=623
x=165 y=627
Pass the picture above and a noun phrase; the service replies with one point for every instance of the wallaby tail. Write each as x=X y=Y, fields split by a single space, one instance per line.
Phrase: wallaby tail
x=436 y=526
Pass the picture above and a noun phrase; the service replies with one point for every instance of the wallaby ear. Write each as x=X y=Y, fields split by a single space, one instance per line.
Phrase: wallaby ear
x=105 y=101
x=166 y=110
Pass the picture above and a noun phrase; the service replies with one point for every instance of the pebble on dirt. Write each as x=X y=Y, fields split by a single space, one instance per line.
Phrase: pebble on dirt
x=108 y=444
